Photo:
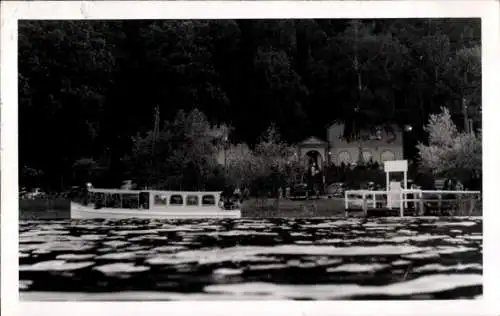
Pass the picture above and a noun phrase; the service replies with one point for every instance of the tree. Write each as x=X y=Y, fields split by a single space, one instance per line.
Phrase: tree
x=65 y=72
x=87 y=169
x=242 y=166
x=184 y=157
x=376 y=61
x=281 y=85
x=273 y=152
x=271 y=164
x=450 y=152
x=30 y=177
x=88 y=87
x=464 y=83
x=274 y=157
x=296 y=169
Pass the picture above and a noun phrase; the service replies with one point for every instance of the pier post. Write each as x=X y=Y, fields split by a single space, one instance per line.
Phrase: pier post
x=405 y=186
x=365 y=204
x=460 y=205
x=472 y=204
x=421 y=203
x=401 y=204
x=346 y=203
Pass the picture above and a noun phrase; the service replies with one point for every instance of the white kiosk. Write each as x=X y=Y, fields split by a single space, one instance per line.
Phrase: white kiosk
x=394 y=188
x=397 y=195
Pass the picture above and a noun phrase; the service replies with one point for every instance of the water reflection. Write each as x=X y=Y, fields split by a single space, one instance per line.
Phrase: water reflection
x=391 y=258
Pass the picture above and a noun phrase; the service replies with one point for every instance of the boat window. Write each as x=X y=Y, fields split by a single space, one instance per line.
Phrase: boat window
x=108 y=202
x=161 y=199
x=99 y=199
x=208 y=200
x=115 y=201
x=91 y=197
x=176 y=200
x=130 y=201
x=144 y=200
x=192 y=200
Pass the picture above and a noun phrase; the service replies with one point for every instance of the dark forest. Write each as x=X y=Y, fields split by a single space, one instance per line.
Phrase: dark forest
x=87 y=88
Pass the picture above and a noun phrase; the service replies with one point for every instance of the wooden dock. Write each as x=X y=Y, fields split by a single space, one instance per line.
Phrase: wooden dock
x=381 y=212
x=412 y=203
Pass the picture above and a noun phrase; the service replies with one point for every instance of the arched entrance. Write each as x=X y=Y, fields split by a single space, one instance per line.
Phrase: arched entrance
x=315 y=173
x=313 y=151
x=314 y=159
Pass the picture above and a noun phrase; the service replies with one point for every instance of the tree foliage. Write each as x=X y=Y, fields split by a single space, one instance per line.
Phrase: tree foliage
x=272 y=162
x=182 y=156
x=88 y=88
x=30 y=177
x=451 y=152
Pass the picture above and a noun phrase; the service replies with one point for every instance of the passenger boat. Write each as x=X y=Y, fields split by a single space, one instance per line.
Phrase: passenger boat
x=151 y=204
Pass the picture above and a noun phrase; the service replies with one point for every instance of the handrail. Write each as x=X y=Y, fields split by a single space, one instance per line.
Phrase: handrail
x=409 y=191
x=440 y=191
x=360 y=192
x=125 y=191
x=403 y=199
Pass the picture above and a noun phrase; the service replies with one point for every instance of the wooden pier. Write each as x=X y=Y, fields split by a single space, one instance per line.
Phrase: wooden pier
x=412 y=202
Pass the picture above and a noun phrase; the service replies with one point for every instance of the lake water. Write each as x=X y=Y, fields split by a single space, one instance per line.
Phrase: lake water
x=385 y=258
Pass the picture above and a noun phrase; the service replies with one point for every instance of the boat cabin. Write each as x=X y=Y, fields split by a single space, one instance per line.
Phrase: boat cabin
x=149 y=199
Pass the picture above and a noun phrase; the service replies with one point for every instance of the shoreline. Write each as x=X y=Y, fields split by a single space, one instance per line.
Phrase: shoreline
x=60 y=209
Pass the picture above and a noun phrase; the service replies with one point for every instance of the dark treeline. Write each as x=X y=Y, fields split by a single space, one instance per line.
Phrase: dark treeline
x=86 y=88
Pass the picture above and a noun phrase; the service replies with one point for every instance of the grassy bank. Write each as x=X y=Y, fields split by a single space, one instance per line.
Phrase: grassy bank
x=280 y=208
x=44 y=209
x=269 y=208
x=58 y=209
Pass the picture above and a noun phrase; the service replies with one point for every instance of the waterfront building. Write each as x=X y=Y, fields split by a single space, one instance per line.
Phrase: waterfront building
x=376 y=145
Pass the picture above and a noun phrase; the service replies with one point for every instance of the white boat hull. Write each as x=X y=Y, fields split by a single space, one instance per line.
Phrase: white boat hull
x=88 y=212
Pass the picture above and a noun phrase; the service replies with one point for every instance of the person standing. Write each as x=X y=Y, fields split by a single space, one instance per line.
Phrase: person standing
x=246 y=193
x=237 y=193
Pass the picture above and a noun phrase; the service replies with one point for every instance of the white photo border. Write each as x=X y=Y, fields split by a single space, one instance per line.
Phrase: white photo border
x=12 y=11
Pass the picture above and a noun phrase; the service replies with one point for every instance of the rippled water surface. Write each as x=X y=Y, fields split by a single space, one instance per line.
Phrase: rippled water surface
x=391 y=258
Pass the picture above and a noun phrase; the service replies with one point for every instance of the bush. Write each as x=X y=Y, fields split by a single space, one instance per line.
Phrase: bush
x=451 y=153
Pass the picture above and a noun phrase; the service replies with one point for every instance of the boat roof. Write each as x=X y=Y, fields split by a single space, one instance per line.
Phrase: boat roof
x=123 y=191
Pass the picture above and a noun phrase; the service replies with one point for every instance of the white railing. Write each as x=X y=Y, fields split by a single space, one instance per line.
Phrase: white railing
x=364 y=199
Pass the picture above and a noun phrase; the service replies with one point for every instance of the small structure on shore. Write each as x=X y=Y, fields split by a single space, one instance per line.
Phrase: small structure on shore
x=404 y=200
x=394 y=188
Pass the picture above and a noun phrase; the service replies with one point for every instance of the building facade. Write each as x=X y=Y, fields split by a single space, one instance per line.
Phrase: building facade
x=224 y=154
x=376 y=145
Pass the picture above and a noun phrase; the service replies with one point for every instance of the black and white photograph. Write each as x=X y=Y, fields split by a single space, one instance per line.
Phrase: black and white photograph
x=216 y=159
